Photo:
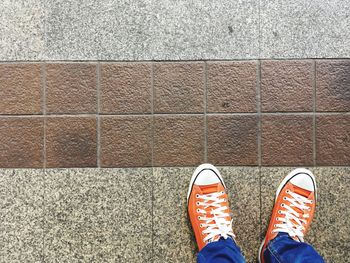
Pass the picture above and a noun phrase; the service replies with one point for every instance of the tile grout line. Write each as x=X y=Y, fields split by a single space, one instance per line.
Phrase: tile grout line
x=152 y=114
x=168 y=60
x=260 y=201
x=152 y=162
x=291 y=113
x=314 y=116
x=205 y=112
x=98 y=91
x=44 y=114
x=45 y=161
x=258 y=101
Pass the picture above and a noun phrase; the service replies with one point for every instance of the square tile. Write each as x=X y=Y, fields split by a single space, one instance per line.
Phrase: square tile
x=71 y=88
x=178 y=140
x=21 y=88
x=126 y=141
x=173 y=237
x=71 y=142
x=22 y=30
x=126 y=88
x=233 y=140
x=330 y=230
x=21 y=142
x=205 y=29
x=333 y=85
x=22 y=215
x=232 y=86
x=179 y=87
x=287 y=85
x=333 y=140
x=94 y=215
x=287 y=140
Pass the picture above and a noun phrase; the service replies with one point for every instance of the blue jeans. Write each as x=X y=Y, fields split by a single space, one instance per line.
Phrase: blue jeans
x=282 y=249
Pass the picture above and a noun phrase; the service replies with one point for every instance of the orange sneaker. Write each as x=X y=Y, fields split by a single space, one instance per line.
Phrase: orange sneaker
x=208 y=206
x=294 y=207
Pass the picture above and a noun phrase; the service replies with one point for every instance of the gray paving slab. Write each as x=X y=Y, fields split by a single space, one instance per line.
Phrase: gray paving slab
x=71 y=29
x=173 y=237
x=204 y=29
x=304 y=29
x=96 y=215
x=21 y=30
x=329 y=232
x=21 y=215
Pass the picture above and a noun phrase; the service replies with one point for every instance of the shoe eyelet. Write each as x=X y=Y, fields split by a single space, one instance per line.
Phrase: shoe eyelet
x=312 y=201
x=197 y=203
x=284 y=198
x=280 y=211
x=287 y=191
x=201 y=225
x=198 y=210
x=199 y=218
x=197 y=195
x=282 y=204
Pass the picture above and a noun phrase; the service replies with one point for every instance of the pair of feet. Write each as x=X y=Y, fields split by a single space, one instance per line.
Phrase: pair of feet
x=211 y=218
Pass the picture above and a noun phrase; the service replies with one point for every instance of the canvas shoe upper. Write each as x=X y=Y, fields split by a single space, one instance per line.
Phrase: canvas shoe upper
x=208 y=206
x=294 y=207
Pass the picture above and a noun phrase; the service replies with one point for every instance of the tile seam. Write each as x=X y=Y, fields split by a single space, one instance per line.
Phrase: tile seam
x=314 y=156
x=258 y=101
x=98 y=91
x=177 y=114
x=164 y=61
x=44 y=115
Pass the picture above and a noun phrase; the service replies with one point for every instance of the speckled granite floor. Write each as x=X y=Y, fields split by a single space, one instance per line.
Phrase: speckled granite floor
x=139 y=214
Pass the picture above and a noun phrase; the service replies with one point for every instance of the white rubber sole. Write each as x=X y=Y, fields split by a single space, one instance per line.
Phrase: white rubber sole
x=198 y=170
x=279 y=189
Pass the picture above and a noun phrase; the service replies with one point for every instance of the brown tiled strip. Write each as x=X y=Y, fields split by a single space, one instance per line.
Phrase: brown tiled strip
x=91 y=114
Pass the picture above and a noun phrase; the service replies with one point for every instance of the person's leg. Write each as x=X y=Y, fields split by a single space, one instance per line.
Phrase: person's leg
x=292 y=214
x=210 y=216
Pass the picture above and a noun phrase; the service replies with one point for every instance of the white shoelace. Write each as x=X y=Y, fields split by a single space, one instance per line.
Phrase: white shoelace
x=293 y=222
x=217 y=225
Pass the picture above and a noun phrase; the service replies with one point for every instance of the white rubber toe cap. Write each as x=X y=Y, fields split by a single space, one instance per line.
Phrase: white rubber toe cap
x=206 y=177
x=205 y=174
x=303 y=181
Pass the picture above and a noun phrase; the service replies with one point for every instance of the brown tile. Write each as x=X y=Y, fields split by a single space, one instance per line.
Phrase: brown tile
x=71 y=142
x=126 y=141
x=333 y=85
x=333 y=140
x=126 y=88
x=21 y=142
x=20 y=88
x=178 y=140
x=71 y=88
x=179 y=87
x=232 y=86
x=287 y=85
x=232 y=140
x=287 y=140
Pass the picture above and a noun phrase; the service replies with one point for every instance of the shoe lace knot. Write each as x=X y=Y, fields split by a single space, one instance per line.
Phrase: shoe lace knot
x=295 y=215
x=215 y=218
